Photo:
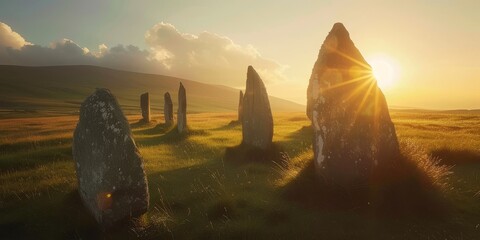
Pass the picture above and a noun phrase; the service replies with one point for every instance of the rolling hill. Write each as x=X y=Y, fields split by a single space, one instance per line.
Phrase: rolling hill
x=59 y=90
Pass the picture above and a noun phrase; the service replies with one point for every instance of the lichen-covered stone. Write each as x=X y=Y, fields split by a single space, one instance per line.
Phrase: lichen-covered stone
x=257 y=120
x=353 y=132
x=182 y=110
x=111 y=178
x=145 y=106
x=168 y=109
x=240 y=107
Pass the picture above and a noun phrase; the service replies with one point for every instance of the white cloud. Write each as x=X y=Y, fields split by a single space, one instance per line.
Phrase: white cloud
x=208 y=57
x=9 y=38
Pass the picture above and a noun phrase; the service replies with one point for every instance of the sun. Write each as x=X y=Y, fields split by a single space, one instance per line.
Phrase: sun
x=384 y=70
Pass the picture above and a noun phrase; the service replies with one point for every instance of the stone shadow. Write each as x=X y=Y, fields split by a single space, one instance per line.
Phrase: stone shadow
x=456 y=157
x=231 y=125
x=78 y=223
x=142 y=123
x=400 y=190
x=247 y=154
x=171 y=136
x=156 y=129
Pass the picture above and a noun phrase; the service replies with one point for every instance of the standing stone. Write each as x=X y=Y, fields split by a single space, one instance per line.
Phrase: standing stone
x=168 y=109
x=240 y=107
x=257 y=122
x=182 y=110
x=145 y=106
x=111 y=178
x=353 y=132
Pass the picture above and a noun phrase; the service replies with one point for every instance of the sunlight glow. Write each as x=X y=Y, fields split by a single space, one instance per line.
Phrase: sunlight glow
x=384 y=70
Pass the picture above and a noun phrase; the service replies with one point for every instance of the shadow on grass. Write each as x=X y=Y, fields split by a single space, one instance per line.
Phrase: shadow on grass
x=142 y=123
x=33 y=158
x=32 y=145
x=78 y=223
x=231 y=125
x=298 y=142
x=76 y=220
x=156 y=129
x=244 y=153
x=172 y=136
x=14 y=230
x=455 y=157
x=400 y=190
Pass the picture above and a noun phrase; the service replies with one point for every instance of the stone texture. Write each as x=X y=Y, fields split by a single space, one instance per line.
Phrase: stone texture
x=111 y=178
x=182 y=110
x=168 y=109
x=257 y=122
x=145 y=106
x=353 y=132
x=240 y=107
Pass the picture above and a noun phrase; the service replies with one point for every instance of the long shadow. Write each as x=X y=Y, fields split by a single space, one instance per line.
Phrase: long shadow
x=34 y=158
x=456 y=157
x=76 y=220
x=279 y=152
x=171 y=137
x=243 y=153
x=231 y=125
x=78 y=223
x=32 y=145
x=141 y=123
x=398 y=191
x=298 y=142
x=157 y=129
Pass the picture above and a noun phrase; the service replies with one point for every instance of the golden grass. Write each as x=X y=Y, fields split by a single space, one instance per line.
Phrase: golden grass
x=196 y=194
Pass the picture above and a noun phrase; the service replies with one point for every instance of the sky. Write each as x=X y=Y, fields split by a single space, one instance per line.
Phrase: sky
x=431 y=45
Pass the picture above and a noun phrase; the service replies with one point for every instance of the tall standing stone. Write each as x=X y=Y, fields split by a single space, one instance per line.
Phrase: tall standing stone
x=111 y=178
x=145 y=106
x=240 y=107
x=182 y=110
x=353 y=132
x=168 y=109
x=257 y=121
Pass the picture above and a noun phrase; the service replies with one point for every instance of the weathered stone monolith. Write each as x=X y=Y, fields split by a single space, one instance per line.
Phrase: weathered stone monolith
x=353 y=132
x=182 y=110
x=240 y=107
x=168 y=109
x=145 y=106
x=257 y=122
x=111 y=178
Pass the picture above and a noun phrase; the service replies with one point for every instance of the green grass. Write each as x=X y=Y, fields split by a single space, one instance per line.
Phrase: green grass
x=196 y=193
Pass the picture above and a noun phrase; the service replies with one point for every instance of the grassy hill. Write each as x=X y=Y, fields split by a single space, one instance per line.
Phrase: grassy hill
x=58 y=90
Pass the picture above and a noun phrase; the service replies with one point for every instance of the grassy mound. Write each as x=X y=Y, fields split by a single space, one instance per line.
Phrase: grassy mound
x=411 y=186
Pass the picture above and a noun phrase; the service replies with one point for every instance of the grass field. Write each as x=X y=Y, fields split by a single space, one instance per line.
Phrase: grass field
x=197 y=194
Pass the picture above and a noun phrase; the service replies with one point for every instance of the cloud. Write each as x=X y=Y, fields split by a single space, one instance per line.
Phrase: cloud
x=10 y=39
x=64 y=52
x=206 y=57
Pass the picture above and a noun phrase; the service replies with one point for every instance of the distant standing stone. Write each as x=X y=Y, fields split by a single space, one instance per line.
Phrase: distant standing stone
x=240 y=107
x=353 y=132
x=109 y=167
x=145 y=106
x=168 y=109
x=182 y=110
x=257 y=120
